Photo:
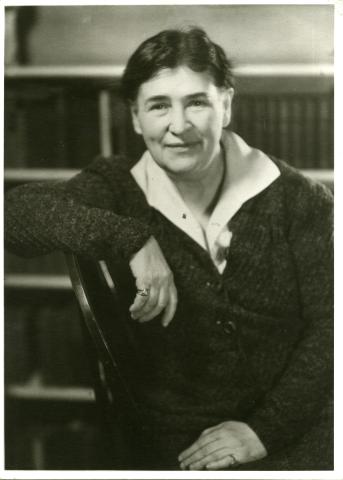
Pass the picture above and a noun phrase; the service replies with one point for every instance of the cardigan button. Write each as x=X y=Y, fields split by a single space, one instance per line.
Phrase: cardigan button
x=230 y=327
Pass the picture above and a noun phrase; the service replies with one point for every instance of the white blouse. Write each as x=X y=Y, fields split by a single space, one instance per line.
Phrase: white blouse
x=248 y=172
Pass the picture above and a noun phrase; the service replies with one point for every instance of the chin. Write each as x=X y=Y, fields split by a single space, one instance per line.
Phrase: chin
x=181 y=164
x=179 y=172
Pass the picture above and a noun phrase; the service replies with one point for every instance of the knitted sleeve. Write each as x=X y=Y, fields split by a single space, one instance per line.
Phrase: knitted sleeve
x=303 y=390
x=79 y=216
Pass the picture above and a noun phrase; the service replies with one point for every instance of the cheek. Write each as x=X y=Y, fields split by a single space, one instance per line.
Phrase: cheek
x=213 y=131
x=209 y=123
x=217 y=124
x=152 y=130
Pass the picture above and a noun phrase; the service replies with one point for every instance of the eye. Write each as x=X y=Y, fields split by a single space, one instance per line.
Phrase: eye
x=197 y=103
x=159 y=106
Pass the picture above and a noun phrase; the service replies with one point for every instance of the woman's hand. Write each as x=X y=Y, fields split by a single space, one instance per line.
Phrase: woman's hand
x=225 y=445
x=151 y=271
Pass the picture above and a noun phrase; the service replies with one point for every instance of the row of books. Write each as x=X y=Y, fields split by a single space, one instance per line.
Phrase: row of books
x=60 y=127
x=45 y=337
x=296 y=128
x=49 y=126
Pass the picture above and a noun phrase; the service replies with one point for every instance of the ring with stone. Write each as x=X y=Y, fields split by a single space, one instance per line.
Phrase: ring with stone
x=143 y=292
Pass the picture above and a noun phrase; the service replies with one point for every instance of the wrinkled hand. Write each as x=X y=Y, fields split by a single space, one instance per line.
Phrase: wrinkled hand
x=222 y=446
x=151 y=271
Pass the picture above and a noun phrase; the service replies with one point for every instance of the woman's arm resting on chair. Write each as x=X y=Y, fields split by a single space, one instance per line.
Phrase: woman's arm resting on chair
x=77 y=216
x=80 y=216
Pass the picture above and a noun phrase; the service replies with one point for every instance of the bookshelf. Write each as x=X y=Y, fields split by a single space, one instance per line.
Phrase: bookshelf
x=56 y=119
x=286 y=110
x=34 y=389
x=25 y=175
x=32 y=282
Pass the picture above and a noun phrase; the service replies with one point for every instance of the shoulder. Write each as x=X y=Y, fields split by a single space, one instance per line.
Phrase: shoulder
x=303 y=197
x=112 y=172
x=106 y=180
x=110 y=166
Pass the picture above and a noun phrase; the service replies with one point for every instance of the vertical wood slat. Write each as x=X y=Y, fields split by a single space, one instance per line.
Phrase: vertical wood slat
x=296 y=126
x=325 y=129
x=62 y=127
x=38 y=454
x=105 y=137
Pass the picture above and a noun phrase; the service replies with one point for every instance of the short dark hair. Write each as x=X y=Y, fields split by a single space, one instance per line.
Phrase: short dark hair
x=171 y=48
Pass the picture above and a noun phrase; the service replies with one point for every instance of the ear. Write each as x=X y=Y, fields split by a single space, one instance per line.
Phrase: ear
x=135 y=119
x=228 y=97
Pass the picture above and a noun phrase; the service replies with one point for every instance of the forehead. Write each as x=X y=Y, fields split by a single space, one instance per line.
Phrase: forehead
x=180 y=81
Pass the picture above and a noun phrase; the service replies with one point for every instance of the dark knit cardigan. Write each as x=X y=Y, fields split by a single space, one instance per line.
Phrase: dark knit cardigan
x=253 y=344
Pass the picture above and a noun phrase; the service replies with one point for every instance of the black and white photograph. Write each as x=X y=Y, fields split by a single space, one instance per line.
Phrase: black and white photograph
x=168 y=239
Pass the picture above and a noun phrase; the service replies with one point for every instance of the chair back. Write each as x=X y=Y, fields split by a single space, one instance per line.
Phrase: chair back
x=113 y=354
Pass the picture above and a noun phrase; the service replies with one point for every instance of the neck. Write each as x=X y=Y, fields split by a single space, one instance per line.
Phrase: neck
x=201 y=191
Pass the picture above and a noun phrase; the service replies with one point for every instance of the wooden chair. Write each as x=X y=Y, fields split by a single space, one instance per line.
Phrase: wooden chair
x=113 y=355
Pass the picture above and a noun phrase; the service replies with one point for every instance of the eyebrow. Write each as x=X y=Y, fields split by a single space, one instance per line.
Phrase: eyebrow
x=156 y=98
x=159 y=98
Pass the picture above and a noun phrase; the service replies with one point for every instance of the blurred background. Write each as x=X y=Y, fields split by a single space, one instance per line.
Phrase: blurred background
x=63 y=107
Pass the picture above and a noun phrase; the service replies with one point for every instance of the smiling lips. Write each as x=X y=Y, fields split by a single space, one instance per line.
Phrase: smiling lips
x=182 y=145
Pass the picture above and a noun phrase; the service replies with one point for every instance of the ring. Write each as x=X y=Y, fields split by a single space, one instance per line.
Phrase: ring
x=235 y=462
x=143 y=292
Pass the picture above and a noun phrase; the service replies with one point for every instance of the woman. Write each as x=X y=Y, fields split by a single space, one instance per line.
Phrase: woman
x=232 y=259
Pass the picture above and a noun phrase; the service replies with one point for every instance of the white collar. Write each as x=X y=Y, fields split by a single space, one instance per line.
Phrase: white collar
x=249 y=172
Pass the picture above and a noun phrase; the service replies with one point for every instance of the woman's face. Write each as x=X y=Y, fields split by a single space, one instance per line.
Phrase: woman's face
x=180 y=114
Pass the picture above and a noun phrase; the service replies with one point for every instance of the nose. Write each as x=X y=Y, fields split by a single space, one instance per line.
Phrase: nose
x=178 y=121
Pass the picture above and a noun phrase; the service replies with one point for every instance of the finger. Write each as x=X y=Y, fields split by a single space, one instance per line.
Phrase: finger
x=203 y=455
x=231 y=460
x=206 y=445
x=210 y=430
x=202 y=441
x=201 y=450
x=138 y=303
x=162 y=301
x=144 y=307
x=200 y=463
x=140 y=300
x=170 y=309
x=151 y=302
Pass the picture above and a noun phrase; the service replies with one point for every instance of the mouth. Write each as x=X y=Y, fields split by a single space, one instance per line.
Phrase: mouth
x=184 y=145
